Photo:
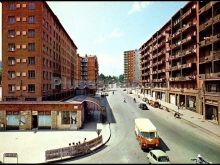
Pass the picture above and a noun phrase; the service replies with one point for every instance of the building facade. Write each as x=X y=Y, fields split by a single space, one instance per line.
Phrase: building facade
x=174 y=68
x=39 y=57
x=132 y=67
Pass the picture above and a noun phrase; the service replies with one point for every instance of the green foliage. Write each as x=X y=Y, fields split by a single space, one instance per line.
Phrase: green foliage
x=110 y=79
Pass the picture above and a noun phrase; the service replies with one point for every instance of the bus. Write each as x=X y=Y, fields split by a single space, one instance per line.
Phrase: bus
x=146 y=133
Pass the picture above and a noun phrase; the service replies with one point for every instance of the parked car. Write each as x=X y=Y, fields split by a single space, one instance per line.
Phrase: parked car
x=143 y=106
x=124 y=89
x=158 y=156
x=145 y=99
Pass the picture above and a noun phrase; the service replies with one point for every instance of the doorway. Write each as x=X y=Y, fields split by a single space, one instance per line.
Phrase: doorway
x=34 y=121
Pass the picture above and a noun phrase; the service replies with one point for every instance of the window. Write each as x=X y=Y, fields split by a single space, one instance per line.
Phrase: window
x=31 y=74
x=11 y=33
x=31 y=87
x=11 y=88
x=31 y=60
x=31 y=6
x=11 y=47
x=31 y=46
x=31 y=19
x=11 y=6
x=31 y=33
x=11 y=60
x=65 y=117
x=11 y=19
x=11 y=74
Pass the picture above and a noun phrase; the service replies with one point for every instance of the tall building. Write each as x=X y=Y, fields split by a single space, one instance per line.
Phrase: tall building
x=132 y=67
x=88 y=71
x=209 y=57
x=39 y=57
x=180 y=62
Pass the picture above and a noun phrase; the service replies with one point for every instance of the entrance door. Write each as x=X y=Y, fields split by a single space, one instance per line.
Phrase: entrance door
x=34 y=121
x=73 y=121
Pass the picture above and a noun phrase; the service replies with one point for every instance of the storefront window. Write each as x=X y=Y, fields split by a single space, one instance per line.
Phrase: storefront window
x=65 y=117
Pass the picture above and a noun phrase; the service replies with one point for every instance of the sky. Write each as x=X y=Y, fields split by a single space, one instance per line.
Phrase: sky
x=107 y=29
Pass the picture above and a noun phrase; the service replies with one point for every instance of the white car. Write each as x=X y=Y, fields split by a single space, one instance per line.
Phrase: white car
x=158 y=156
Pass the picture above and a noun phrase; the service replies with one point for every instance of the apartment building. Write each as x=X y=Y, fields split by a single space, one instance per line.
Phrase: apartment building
x=132 y=67
x=209 y=57
x=87 y=75
x=39 y=57
x=173 y=61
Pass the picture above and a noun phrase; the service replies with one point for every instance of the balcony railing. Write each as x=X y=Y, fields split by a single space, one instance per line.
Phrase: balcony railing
x=216 y=19
x=216 y=38
x=205 y=8
x=205 y=25
x=206 y=41
x=186 y=14
x=176 y=34
x=213 y=75
x=214 y=55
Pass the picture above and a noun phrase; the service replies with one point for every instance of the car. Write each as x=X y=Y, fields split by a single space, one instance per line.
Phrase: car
x=124 y=89
x=143 y=106
x=145 y=99
x=158 y=156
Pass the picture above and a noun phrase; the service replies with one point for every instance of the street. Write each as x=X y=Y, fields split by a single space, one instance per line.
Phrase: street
x=180 y=140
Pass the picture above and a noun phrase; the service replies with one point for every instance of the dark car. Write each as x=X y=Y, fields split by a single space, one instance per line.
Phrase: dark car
x=143 y=106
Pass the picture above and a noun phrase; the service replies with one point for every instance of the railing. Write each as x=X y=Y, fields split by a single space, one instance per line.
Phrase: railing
x=205 y=8
x=206 y=41
x=213 y=75
x=205 y=25
x=216 y=19
x=73 y=151
x=216 y=37
x=186 y=14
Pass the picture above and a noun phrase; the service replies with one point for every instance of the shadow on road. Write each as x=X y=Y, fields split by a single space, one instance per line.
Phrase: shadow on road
x=163 y=145
x=110 y=115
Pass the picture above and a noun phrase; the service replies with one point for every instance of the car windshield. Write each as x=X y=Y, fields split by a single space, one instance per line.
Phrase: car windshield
x=149 y=135
x=163 y=159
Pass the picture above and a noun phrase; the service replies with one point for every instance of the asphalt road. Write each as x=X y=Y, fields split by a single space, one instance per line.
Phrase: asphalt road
x=180 y=140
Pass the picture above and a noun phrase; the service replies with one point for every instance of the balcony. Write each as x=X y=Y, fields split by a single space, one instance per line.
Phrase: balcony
x=187 y=27
x=160 y=62
x=213 y=76
x=216 y=55
x=205 y=25
x=205 y=8
x=190 y=90
x=175 y=35
x=207 y=41
x=185 y=78
x=216 y=19
x=187 y=14
x=176 y=89
x=216 y=38
x=188 y=52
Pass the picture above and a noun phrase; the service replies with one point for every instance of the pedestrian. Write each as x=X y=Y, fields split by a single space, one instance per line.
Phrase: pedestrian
x=69 y=144
x=73 y=143
x=84 y=140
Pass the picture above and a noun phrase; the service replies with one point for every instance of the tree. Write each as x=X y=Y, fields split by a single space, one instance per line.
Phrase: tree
x=121 y=78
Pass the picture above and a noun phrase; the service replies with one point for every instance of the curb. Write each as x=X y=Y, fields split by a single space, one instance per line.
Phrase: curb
x=72 y=158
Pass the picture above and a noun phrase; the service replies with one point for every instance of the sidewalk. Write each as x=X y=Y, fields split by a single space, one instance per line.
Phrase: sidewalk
x=195 y=119
x=31 y=146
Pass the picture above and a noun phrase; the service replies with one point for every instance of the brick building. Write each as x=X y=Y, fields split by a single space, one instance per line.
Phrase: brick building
x=39 y=57
x=180 y=62
x=87 y=74
x=131 y=67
